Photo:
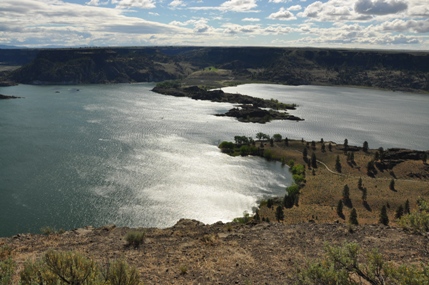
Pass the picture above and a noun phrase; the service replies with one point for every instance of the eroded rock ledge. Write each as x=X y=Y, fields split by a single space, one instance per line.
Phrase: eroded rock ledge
x=251 y=109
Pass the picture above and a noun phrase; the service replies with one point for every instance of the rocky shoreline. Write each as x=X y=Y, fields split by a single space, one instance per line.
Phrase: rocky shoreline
x=8 y=97
x=251 y=109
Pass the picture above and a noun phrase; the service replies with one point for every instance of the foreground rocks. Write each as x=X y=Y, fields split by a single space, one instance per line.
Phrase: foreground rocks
x=193 y=253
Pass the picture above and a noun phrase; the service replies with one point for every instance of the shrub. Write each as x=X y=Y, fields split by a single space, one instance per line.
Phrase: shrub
x=418 y=221
x=135 y=238
x=70 y=267
x=7 y=266
x=75 y=269
x=343 y=265
x=120 y=273
x=245 y=219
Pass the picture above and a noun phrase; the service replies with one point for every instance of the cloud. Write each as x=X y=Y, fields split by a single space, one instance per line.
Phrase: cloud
x=380 y=7
x=176 y=3
x=278 y=1
x=282 y=14
x=239 y=5
x=294 y=8
x=251 y=20
x=143 y=4
x=68 y=24
x=232 y=6
x=404 y=26
x=199 y=25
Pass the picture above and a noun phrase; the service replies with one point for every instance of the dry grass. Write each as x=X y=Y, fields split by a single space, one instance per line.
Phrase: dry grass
x=322 y=191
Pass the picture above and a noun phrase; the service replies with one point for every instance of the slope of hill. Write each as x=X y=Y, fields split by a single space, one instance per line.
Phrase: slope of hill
x=396 y=70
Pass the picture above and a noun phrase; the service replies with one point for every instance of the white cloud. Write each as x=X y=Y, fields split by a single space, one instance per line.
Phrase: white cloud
x=68 y=24
x=404 y=26
x=380 y=7
x=232 y=6
x=144 y=4
x=251 y=20
x=294 y=8
x=239 y=5
x=176 y=3
x=278 y=1
x=282 y=14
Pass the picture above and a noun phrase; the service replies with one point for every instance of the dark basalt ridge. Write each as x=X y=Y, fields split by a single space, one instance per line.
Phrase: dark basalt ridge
x=250 y=109
x=394 y=70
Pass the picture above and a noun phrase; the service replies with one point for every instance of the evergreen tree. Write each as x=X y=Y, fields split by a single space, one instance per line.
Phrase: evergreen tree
x=286 y=142
x=313 y=160
x=392 y=185
x=364 y=194
x=330 y=147
x=353 y=217
x=370 y=167
x=313 y=145
x=384 y=219
x=270 y=203
x=407 y=207
x=340 y=209
x=360 y=183
x=399 y=212
x=338 y=164
x=365 y=146
x=321 y=141
x=304 y=153
x=323 y=147
x=346 y=144
x=280 y=216
x=346 y=193
x=271 y=142
x=424 y=157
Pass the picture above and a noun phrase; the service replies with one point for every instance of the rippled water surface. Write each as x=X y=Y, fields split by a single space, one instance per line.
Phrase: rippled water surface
x=91 y=155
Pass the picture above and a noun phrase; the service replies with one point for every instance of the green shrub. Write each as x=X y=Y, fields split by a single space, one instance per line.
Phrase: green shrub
x=57 y=268
x=70 y=267
x=418 y=221
x=120 y=273
x=268 y=155
x=343 y=265
x=135 y=238
x=7 y=266
x=242 y=220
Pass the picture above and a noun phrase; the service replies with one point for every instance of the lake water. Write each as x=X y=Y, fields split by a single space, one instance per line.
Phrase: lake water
x=72 y=156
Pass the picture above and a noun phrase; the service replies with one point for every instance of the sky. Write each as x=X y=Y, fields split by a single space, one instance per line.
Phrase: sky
x=367 y=24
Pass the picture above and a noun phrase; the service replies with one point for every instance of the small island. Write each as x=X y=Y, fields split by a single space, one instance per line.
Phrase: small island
x=251 y=109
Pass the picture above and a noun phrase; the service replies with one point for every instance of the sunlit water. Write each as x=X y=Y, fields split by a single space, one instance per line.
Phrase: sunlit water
x=99 y=154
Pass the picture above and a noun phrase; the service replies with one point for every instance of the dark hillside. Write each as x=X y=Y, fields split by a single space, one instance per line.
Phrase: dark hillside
x=395 y=70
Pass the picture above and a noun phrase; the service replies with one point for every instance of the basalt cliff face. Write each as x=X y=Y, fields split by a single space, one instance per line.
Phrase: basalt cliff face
x=395 y=70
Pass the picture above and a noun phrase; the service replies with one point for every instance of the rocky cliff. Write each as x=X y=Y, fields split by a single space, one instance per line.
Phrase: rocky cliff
x=396 y=70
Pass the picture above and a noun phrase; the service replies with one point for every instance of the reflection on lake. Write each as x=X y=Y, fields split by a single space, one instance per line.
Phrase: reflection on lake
x=98 y=154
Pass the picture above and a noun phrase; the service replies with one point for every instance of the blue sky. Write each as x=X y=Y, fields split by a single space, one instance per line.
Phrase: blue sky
x=380 y=24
